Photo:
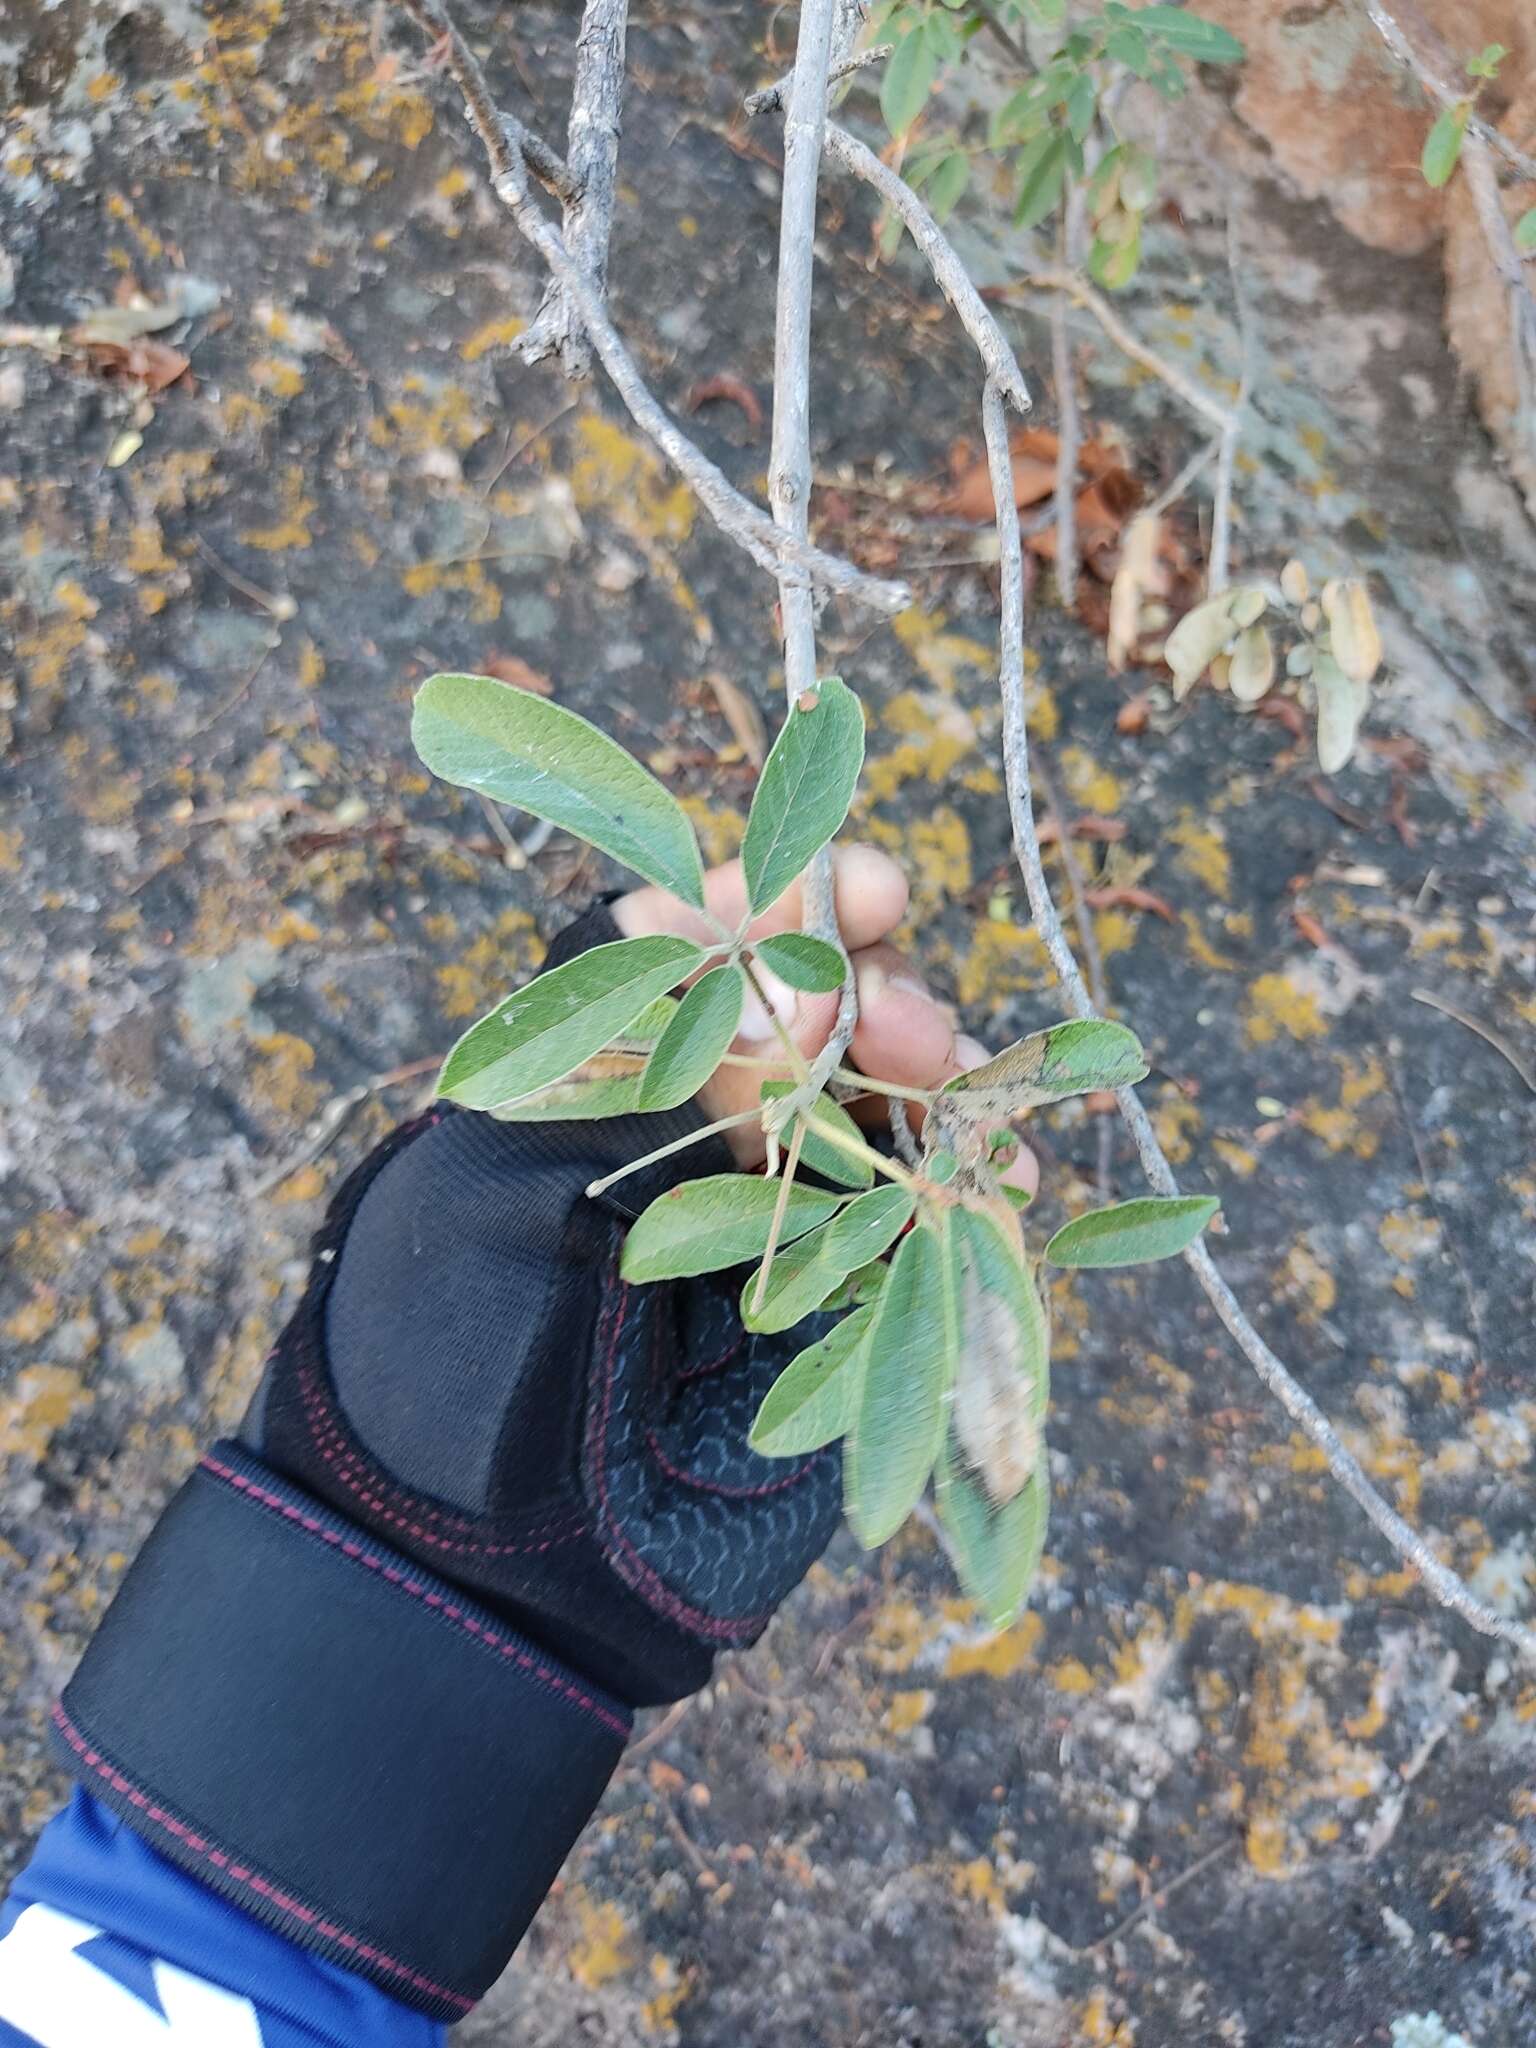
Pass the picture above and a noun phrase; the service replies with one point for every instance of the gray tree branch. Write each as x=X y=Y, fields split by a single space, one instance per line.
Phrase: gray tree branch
x=789 y=461
x=510 y=150
x=1450 y=1589
x=592 y=146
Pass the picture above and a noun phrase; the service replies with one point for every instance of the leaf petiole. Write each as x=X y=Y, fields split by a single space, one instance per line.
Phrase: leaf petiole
x=725 y=1123
x=775 y=1229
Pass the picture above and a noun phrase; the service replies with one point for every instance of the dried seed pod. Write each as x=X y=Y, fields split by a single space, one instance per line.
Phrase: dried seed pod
x=1295 y=584
x=1352 y=628
x=1252 y=667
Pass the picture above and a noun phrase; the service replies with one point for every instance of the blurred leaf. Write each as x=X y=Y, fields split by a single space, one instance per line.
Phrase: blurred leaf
x=1352 y=630
x=801 y=960
x=1042 y=168
x=1191 y=35
x=1113 y=263
x=521 y=749
x=1074 y=1058
x=1442 y=145
x=1525 y=230
x=1138 y=178
x=700 y=1030
x=1132 y=1233
x=899 y=1425
x=1082 y=105
x=1002 y=1369
x=1487 y=61
x=1103 y=190
x=1341 y=704
x=1299 y=661
x=1046 y=13
x=953 y=175
x=1128 y=46
x=803 y=794
x=996 y=1551
x=709 y=1225
x=908 y=79
x=816 y=1155
x=815 y=1397
x=1253 y=665
x=560 y=1020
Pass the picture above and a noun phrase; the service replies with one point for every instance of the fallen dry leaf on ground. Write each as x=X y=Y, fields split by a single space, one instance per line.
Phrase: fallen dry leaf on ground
x=511 y=668
x=733 y=391
x=742 y=716
x=1129 y=898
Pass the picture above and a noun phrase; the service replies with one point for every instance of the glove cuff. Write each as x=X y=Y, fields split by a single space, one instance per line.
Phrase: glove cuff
x=336 y=1739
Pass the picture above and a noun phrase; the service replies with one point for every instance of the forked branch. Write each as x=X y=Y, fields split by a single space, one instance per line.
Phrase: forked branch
x=510 y=150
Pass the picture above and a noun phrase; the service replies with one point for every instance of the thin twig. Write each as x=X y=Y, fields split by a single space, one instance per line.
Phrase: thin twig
x=1425 y=58
x=1160 y=1897
x=1083 y=294
x=592 y=144
x=747 y=524
x=1485 y=1032
x=1067 y=438
x=949 y=273
x=771 y=98
x=1219 y=573
x=1446 y=95
x=901 y=1133
x=323 y=1131
x=1171 y=493
x=1446 y=1585
x=501 y=133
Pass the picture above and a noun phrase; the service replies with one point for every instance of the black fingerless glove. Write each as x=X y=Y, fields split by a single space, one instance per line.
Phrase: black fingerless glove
x=377 y=1661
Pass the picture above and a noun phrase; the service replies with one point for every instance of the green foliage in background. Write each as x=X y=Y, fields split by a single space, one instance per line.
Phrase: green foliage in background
x=938 y=1369
x=1059 y=127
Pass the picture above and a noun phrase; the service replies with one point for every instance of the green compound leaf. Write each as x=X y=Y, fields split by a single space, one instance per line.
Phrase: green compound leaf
x=558 y=1022
x=689 y=1050
x=1132 y=1233
x=996 y=1551
x=899 y=1427
x=804 y=791
x=1190 y=34
x=815 y=1397
x=1442 y=145
x=1074 y=1058
x=523 y=750
x=817 y=1155
x=804 y=962
x=1525 y=230
x=709 y=1225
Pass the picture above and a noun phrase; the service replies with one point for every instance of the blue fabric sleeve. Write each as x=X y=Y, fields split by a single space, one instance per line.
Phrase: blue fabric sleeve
x=102 y=1940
